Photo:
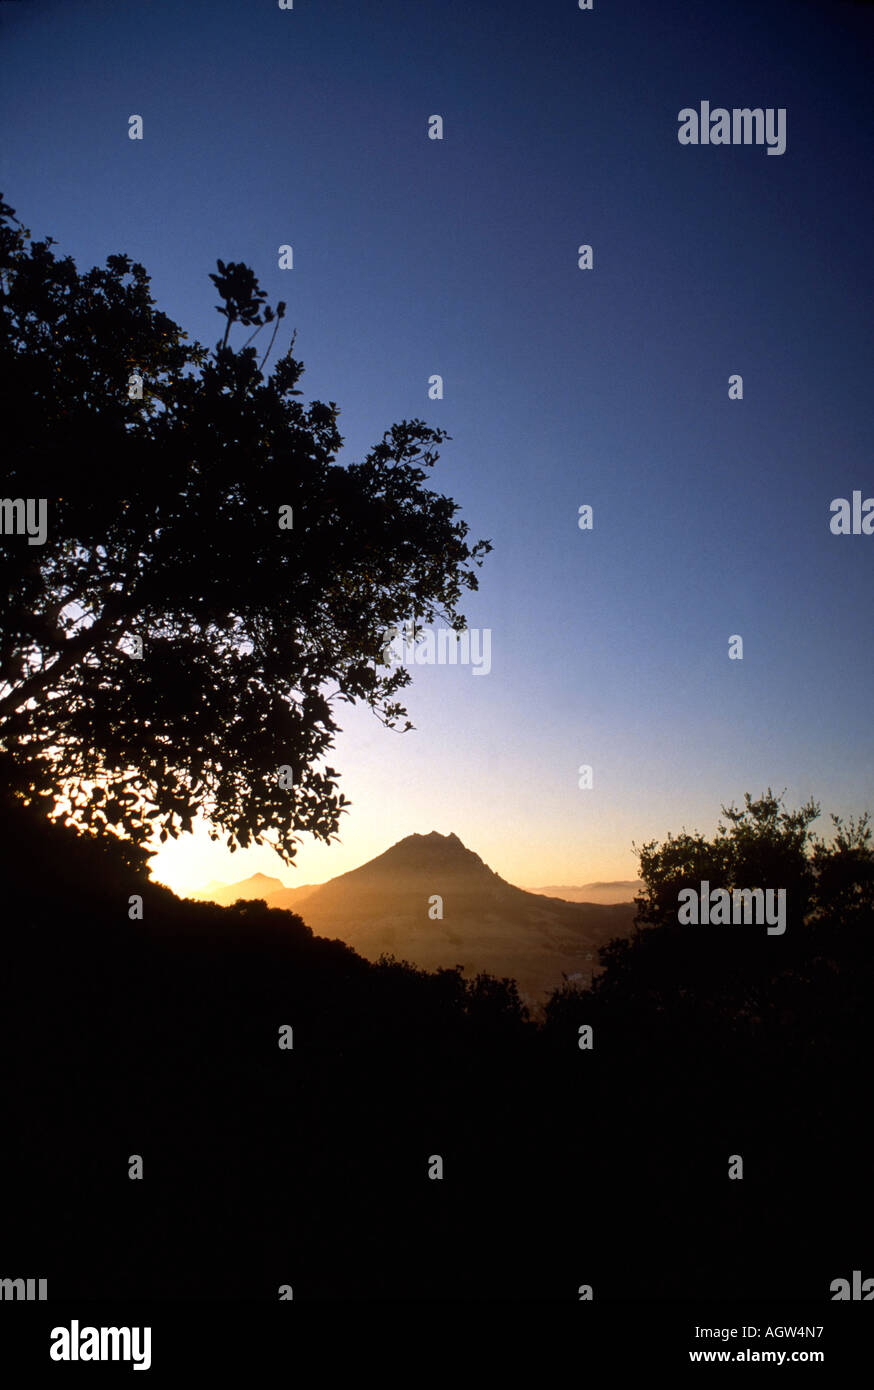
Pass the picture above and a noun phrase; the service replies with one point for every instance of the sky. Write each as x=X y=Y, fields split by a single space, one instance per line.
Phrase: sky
x=563 y=387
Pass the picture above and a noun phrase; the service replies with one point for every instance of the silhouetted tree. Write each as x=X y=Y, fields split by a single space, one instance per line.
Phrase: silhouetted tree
x=761 y=845
x=697 y=977
x=844 y=872
x=163 y=528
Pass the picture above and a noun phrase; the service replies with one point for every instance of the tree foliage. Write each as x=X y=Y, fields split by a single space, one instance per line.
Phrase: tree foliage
x=163 y=528
x=700 y=978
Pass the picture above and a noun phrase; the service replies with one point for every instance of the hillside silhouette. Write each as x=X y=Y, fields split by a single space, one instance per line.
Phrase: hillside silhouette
x=308 y=1166
x=486 y=925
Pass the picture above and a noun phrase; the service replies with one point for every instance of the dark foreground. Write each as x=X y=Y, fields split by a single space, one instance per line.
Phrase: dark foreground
x=309 y=1167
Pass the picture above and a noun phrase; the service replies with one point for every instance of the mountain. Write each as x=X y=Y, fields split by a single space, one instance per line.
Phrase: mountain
x=225 y=894
x=487 y=924
x=291 y=898
x=621 y=890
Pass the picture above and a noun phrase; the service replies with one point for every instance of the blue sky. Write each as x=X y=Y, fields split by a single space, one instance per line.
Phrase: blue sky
x=562 y=387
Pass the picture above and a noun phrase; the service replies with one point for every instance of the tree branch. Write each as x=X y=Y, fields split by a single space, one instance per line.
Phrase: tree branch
x=71 y=651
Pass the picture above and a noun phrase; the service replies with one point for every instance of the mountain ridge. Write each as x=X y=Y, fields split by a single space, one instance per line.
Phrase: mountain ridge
x=620 y=890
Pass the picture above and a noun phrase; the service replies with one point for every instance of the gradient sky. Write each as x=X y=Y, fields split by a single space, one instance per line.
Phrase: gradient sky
x=562 y=386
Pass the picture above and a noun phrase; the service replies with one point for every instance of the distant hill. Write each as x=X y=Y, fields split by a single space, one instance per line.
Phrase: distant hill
x=621 y=890
x=250 y=889
x=487 y=924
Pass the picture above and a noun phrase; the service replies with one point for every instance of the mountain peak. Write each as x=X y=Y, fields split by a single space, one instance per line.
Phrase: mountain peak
x=422 y=853
x=433 y=840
